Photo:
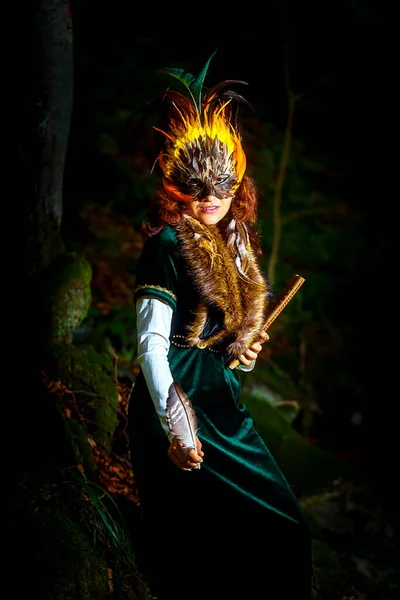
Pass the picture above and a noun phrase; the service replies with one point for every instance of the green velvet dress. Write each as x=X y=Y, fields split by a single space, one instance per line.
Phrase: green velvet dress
x=233 y=528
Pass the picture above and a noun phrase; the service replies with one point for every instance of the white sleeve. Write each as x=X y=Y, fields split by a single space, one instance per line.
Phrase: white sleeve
x=154 y=319
x=246 y=368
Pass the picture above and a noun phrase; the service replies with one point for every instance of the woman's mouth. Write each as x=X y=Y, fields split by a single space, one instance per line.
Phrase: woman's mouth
x=209 y=209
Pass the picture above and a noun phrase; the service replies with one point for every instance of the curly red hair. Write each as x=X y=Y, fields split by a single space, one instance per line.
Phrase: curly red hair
x=166 y=211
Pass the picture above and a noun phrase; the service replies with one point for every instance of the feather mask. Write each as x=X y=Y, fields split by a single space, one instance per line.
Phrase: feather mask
x=202 y=152
x=181 y=416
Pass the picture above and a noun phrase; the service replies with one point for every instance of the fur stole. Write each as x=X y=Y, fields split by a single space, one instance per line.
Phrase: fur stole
x=233 y=293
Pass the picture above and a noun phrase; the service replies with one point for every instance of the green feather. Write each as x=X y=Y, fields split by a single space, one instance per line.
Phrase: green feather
x=193 y=84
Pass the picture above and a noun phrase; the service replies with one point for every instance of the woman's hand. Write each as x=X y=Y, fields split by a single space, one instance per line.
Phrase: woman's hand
x=252 y=352
x=184 y=458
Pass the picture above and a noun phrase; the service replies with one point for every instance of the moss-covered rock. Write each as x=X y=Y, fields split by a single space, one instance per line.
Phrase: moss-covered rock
x=89 y=377
x=66 y=296
x=65 y=543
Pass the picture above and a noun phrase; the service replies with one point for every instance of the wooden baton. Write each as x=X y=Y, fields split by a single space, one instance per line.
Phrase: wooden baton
x=279 y=304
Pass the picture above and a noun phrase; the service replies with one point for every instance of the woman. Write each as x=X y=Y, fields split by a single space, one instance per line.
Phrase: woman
x=220 y=519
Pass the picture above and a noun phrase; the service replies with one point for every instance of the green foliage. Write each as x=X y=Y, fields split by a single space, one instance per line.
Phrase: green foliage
x=358 y=576
x=80 y=446
x=73 y=542
x=118 y=328
x=66 y=549
x=129 y=174
x=307 y=467
x=322 y=238
x=270 y=383
x=105 y=520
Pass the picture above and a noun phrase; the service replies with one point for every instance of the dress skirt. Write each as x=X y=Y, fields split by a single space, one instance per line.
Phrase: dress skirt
x=233 y=528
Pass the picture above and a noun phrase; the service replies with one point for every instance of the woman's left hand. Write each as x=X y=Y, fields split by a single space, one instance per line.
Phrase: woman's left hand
x=186 y=458
x=252 y=352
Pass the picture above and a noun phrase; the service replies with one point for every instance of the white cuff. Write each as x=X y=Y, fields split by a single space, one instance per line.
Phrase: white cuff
x=247 y=368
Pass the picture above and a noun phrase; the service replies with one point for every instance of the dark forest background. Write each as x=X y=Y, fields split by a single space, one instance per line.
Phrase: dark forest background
x=319 y=138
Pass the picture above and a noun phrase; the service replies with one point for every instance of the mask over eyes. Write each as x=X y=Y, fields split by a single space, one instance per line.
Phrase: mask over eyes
x=202 y=152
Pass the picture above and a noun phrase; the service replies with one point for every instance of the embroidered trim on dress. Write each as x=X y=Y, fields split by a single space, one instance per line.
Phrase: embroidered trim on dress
x=154 y=287
x=200 y=346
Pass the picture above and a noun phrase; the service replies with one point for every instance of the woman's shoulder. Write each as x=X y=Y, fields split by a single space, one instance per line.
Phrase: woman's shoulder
x=165 y=240
x=168 y=235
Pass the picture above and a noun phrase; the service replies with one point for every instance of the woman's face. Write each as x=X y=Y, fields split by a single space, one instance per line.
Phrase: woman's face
x=210 y=210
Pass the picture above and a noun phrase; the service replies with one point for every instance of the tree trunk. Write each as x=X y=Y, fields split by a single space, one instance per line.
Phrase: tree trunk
x=47 y=124
x=44 y=100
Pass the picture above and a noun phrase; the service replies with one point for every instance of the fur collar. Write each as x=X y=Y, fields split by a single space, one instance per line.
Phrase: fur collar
x=231 y=310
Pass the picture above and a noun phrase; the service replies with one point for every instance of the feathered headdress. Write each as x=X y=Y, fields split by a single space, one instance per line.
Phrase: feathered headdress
x=202 y=152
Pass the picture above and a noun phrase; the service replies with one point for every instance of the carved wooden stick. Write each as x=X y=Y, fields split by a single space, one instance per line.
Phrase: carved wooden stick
x=279 y=304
